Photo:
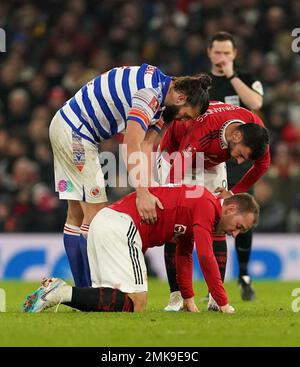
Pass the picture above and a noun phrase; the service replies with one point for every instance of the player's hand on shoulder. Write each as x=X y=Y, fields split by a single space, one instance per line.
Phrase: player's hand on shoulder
x=189 y=305
x=146 y=205
x=223 y=193
x=227 y=309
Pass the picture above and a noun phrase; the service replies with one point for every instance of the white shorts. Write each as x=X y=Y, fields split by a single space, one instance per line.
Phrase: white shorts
x=115 y=253
x=213 y=177
x=77 y=170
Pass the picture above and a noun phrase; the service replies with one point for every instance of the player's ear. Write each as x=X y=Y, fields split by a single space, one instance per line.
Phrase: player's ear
x=230 y=209
x=180 y=99
x=237 y=136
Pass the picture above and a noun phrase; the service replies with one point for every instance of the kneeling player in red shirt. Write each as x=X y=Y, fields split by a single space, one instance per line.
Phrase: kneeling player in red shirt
x=118 y=239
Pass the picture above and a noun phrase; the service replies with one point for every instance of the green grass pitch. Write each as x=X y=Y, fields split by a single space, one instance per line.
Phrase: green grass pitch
x=267 y=321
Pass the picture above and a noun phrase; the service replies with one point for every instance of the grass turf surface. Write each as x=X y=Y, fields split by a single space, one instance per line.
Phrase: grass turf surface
x=267 y=321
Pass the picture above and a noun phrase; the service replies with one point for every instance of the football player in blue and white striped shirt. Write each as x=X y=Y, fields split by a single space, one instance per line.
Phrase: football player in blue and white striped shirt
x=129 y=99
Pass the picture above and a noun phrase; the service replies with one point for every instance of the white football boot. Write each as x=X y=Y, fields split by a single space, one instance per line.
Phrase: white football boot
x=175 y=302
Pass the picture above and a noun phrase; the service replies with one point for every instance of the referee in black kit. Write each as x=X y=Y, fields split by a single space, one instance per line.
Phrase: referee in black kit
x=232 y=86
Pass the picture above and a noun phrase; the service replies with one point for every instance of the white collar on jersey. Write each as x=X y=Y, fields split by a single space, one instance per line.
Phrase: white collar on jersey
x=223 y=141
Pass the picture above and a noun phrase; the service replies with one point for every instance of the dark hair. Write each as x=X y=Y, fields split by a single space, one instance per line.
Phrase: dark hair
x=222 y=36
x=255 y=137
x=245 y=203
x=195 y=88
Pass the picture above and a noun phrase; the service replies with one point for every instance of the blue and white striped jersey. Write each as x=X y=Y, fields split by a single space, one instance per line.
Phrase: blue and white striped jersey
x=102 y=107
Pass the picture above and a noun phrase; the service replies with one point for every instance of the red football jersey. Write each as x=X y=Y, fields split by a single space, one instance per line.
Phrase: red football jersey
x=190 y=214
x=206 y=134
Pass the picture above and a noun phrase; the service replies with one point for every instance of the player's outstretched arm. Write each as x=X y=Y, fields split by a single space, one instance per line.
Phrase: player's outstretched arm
x=258 y=169
x=137 y=166
x=184 y=266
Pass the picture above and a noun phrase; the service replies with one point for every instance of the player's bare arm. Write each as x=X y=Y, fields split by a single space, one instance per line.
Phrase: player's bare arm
x=146 y=202
x=248 y=96
x=152 y=138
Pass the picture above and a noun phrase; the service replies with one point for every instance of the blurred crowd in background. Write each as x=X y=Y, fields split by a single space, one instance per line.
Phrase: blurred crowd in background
x=55 y=46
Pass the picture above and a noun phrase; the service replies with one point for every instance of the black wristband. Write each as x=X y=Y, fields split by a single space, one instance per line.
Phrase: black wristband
x=232 y=76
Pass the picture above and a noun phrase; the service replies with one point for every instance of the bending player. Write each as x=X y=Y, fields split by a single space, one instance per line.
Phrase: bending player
x=225 y=131
x=129 y=99
x=119 y=237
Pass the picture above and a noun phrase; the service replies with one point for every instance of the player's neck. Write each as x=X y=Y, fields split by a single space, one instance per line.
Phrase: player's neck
x=229 y=130
x=169 y=96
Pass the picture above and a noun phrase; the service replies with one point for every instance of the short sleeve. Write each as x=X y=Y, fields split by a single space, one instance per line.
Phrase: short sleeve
x=145 y=108
x=253 y=83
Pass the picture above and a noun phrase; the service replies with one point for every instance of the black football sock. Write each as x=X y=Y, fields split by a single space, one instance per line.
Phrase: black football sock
x=243 y=245
x=100 y=300
x=220 y=252
x=170 y=262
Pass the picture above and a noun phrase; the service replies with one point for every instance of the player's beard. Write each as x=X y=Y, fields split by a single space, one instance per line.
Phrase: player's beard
x=231 y=145
x=170 y=113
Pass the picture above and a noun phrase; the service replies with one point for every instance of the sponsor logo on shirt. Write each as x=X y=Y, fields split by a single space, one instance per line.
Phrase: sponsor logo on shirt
x=154 y=104
x=65 y=186
x=188 y=150
x=235 y=100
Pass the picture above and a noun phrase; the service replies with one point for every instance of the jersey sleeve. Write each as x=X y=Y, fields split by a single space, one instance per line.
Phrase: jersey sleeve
x=184 y=159
x=184 y=266
x=208 y=264
x=253 y=83
x=145 y=108
x=258 y=169
x=157 y=124
x=173 y=136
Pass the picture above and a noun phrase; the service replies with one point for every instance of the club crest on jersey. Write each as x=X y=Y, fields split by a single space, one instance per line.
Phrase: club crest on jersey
x=179 y=229
x=188 y=150
x=95 y=191
x=78 y=151
x=154 y=104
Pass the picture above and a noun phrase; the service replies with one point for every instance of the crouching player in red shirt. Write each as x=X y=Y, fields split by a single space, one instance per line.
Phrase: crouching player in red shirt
x=224 y=131
x=118 y=239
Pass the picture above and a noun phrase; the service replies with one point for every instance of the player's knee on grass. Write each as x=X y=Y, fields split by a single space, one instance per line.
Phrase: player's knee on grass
x=100 y=300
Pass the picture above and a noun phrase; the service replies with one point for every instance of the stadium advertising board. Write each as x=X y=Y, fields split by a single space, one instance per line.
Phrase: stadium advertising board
x=26 y=256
